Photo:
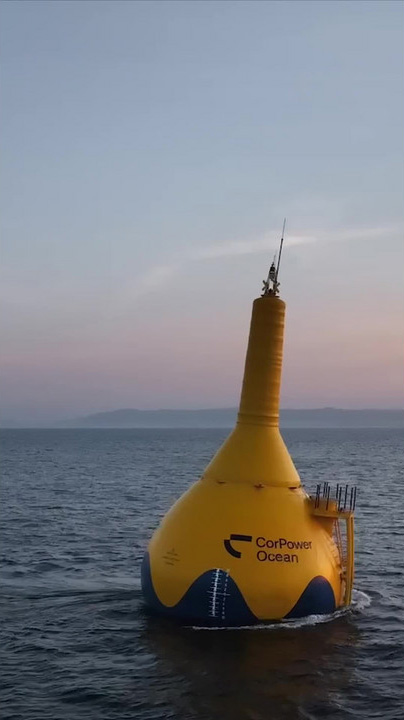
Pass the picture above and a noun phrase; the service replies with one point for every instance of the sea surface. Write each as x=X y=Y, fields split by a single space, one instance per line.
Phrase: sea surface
x=77 y=510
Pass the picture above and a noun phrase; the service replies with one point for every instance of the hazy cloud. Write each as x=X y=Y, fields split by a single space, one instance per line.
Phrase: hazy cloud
x=248 y=247
x=156 y=277
x=159 y=275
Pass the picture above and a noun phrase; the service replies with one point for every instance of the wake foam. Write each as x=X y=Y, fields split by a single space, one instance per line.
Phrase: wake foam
x=360 y=601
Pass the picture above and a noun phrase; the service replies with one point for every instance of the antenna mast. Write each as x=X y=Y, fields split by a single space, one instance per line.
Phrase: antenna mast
x=271 y=285
x=280 y=253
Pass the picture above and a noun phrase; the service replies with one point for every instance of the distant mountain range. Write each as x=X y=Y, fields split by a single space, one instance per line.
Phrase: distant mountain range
x=226 y=417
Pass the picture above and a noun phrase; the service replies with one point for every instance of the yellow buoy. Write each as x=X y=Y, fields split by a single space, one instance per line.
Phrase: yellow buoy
x=246 y=543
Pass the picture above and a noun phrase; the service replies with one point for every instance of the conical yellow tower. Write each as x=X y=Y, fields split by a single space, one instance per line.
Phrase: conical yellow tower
x=245 y=543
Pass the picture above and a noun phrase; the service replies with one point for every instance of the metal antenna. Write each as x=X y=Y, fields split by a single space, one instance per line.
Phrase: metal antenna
x=280 y=253
x=271 y=285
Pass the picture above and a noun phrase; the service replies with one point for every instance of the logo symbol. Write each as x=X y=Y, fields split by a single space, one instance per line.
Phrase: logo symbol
x=234 y=538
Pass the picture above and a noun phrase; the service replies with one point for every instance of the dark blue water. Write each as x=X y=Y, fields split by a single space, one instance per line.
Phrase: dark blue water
x=78 y=508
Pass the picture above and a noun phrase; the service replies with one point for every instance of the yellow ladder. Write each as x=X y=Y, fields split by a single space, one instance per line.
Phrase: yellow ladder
x=328 y=509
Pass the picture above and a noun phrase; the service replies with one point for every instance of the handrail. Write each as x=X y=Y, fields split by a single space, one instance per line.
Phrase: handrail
x=341 y=507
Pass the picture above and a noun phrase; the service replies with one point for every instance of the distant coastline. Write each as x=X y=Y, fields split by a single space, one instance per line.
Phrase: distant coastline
x=226 y=417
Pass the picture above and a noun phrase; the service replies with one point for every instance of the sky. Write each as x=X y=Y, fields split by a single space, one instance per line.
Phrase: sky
x=150 y=151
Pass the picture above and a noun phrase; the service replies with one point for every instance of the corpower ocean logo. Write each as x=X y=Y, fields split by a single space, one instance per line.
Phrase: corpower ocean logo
x=269 y=550
x=235 y=537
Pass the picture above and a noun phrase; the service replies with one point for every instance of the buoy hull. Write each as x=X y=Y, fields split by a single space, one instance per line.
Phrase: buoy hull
x=235 y=554
x=243 y=545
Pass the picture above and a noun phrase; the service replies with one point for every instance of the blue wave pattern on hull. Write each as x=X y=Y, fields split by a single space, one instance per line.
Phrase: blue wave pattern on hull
x=317 y=599
x=212 y=599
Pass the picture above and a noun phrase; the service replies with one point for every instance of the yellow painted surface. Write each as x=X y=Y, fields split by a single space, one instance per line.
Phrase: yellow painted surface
x=208 y=513
x=251 y=488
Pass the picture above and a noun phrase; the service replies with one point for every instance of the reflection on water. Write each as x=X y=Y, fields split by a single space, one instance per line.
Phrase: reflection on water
x=286 y=671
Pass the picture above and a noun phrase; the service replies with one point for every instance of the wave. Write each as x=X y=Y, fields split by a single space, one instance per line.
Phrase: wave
x=85 y=587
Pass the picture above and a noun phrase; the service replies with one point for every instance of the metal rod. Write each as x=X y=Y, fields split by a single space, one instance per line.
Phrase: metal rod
x=346 y=495
x=280 y=252
x=328 y=497
x=354 y=500
x=339 y=498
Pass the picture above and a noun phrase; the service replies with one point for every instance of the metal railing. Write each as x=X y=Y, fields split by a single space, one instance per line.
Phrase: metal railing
x=338 y=505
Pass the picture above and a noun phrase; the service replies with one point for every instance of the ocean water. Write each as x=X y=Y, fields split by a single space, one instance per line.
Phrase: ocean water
x=78 y=507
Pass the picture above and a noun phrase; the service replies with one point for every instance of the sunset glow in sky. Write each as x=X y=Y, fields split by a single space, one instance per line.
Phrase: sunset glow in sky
x=150 y=151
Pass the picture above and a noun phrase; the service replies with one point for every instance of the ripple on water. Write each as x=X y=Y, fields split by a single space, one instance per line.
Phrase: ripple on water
x=78 y=509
